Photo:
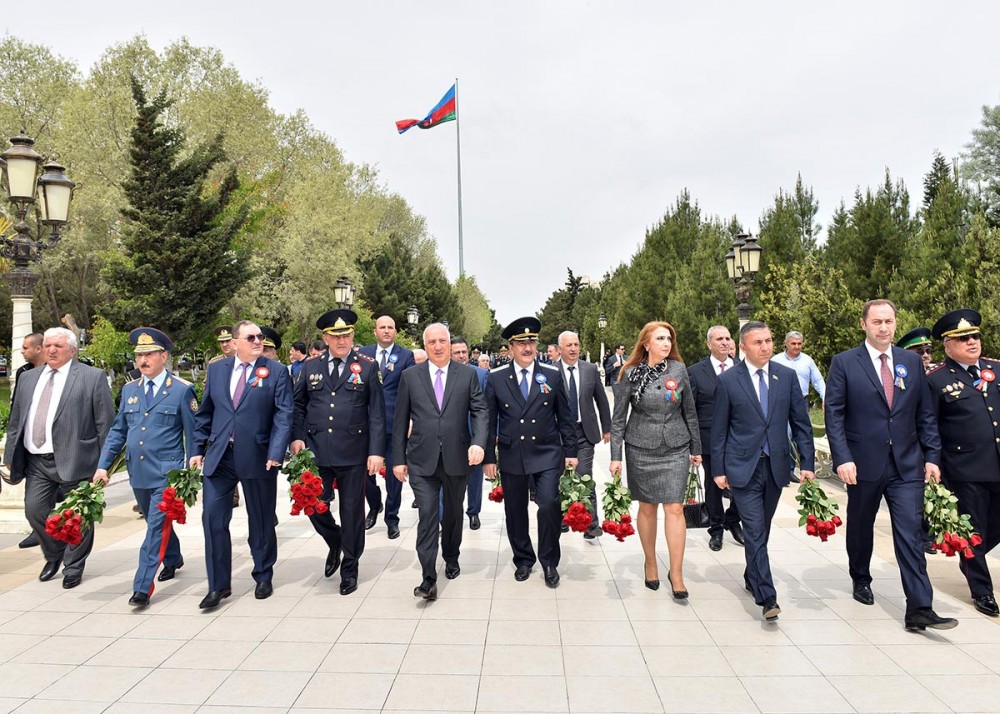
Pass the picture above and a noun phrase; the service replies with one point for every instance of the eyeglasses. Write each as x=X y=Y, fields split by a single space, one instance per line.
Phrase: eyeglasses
x=922 y=350
x=252 y=338
x=965 y=338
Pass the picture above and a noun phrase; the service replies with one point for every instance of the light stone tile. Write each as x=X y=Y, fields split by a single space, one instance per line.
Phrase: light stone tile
x=286 y=657
x=335 y=690
x=13 y=645
x=364 y=658
x=524 y=660
x=46 y=706
x=294 y=629
x=685 y=660
x=397 y=608
x=95 y=683
x=523 y=611
x=505 y=693
x=443 y=659
x=23 y=680
x=64 y=650
x=821 y=632
x=851 y=659
x=880 y=693
x=379 y=631
x=454 y=609
x=727 y=695
x=727 y=634
x=987 y=655
x=965 y=692
x=672 y=633
x=599 y=692
x=433 y=692
x=608 y=659
x=596 y=632
x=170 y=627
x=515 y=633
x=230 y=629
x=101 y=625
x=176 y=686
x=135 y=653
x=39 y=623
x=278 y=689
x=785 y=695
x=450 y=632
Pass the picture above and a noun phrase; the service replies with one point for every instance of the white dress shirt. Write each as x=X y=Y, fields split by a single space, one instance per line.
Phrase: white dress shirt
x=237 y=373
x=57 y=389
x=755 y=379
x=876 y=357
x=576 y=379
x=715 y=364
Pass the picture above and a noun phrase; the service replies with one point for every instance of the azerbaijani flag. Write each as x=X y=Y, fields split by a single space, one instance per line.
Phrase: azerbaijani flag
x=442 y=112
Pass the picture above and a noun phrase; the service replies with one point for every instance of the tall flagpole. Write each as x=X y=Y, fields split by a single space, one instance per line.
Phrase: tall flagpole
x=458 y=153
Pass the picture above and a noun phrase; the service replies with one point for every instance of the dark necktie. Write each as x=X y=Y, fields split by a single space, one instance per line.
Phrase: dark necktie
x=974 y=372
x=241 y=384
x=149 y=393
x=574 y=401
x=42 y=412
x=381 y=362
x=524 y=384
x=335 y=367
x=762 y=385
x=886 y=378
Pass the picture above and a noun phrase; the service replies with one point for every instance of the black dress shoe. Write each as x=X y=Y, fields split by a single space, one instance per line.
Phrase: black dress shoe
x=169 y=571
x=551 y=576
x=929 y=547
x=414 y=504
x=863 y=593
x=71 y=581
x=263 y=590
x=393 y=532
x=452 y=570
x=139 y=600
x=428 y=589
x=214 y=598
x=522 y=572
x=30 y=542
x=746 y=586
x=562 y=527
x=332 y=562
x=236 y=498
x=737 y=532
x=593 y=532
x=348 y=585
x=715 y=541
x=770 y=610
x=474 y=523
x=531 y=496
x=372 y=518
x=49 y=571
x=987 y=605
x=678 y=594
x=794 y=479
x=921 y=619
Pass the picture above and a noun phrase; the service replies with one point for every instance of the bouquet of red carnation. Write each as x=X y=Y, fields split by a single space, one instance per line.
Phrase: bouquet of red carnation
x=574 y=494
x=496 y=493
x=952 y=532
x=381 y=472
x=819 y=512
x=80 y=510
x=181 y=492
x=305 y=487
x=616 y=501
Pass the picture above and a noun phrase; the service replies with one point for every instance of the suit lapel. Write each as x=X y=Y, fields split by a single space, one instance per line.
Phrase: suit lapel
x=869 y=368
x=513 y=384
x=164 y=390
x=449 y=384
x=744 y=379
x=71 y=377
x=424 y=375
x=250 y=378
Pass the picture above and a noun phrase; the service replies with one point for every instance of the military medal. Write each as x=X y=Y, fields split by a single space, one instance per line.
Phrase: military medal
x=315 y=378
x=355 y=377
x=671 y=386
x=900 y=375
x=541 y=379
x=133 y=400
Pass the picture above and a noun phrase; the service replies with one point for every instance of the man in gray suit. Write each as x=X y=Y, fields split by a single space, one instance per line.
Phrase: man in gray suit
x=60 y=416
x=438 y=399
x=584 y=389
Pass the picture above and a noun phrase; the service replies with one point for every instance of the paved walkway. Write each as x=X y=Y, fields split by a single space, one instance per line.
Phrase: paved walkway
x=600 y=643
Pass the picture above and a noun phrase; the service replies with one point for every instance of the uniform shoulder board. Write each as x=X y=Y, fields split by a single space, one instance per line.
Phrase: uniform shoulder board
x=498 y=369
x=216 y=358
x=137 y=379
x=366 y=358
x=938 y=368
x=178 y=378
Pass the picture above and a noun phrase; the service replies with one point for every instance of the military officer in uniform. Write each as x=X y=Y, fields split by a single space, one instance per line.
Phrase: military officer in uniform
x=532 y=429
x=967 y=403
x=272 y=342
x=918 y=340
x=340 y=417
x=155 y=424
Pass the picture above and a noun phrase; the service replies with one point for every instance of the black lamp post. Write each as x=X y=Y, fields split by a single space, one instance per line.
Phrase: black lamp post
x=343 y=292
x=412 y=319
x=51 y=192
x=742 y=266
x=602 y=325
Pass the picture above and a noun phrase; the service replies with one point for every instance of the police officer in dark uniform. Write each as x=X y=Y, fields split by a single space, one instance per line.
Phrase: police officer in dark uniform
x=531 y=427
x=340 y=417
x=919 y=340
x=967 y=402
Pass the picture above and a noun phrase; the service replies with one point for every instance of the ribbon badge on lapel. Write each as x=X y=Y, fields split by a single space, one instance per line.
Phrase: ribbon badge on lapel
x=259 y=376
x=671 y=386
x=542 y=379
x=355 y=377
x=391 y=364
x=901 y=374
x=985 y=377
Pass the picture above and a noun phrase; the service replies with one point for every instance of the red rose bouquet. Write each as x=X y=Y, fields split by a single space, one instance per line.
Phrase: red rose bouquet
x=80 y=510
x=952 y=532
x=305 y=487
x=616 y=501
x=818 y=512
x=182 y=491
x=574 y=494
x=496 y=493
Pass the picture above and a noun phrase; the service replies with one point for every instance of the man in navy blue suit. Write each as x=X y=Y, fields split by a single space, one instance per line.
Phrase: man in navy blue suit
x=242 y=429
x=460 y=353
x=532 y=430
x=755 y=404
x=885 y=443
x=391 y=360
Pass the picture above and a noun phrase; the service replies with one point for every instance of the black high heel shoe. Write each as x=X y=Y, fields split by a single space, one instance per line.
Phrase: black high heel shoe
x=651 y=584
x=678 y=594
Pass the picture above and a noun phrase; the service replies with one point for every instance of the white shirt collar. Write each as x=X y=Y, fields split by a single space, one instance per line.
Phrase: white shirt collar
x=715 y=363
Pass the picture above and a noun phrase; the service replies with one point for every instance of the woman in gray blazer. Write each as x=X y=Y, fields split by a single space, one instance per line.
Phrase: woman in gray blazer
x=661 y=439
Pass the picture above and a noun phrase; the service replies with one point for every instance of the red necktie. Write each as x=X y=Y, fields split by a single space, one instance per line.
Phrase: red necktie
x=886 y=378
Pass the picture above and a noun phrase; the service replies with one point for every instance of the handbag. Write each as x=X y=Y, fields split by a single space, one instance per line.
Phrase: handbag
x=695 y=508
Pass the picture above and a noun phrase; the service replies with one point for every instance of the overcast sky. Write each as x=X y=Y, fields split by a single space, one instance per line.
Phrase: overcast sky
x=581 y=122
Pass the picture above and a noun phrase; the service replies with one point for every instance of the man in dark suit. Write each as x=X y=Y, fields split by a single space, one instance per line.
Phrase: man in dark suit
x=755 y=404
x=242 y=429
x=156 y=424
x=704 y=376
x=391 y=360
x=340 y=416
x=587 y=402
x=438 y=399
x=885 y=443
x=460 y=353
x=62 y=413
x=34 y=356
x=613 y=364
x=531 y=435
x=967 y=402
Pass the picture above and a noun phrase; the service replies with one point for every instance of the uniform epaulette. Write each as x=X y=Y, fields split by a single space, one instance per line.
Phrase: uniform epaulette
x=935 y=369
x=366 y=358
x=137 y=379
x=216 y=358
x=180 y=379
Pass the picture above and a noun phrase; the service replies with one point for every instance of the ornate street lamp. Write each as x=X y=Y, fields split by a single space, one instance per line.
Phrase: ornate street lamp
x=412 y=319
x=742 y=266
x=602 y=325
x=51 y=192
x=343 y=292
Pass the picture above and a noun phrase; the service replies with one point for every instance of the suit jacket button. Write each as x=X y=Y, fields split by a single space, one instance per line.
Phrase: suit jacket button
x=532 y=438
x=545 y=404
x=330 y=430
x=958 y=448
x=143 y=457
x=994 y=424
x=522 y=421
x=532 y=421
x=331 y=406
x=330 y=418
x=506 y=406
x=143 y=428
x=333 y=394
x=522 y=439
x=146 y=414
